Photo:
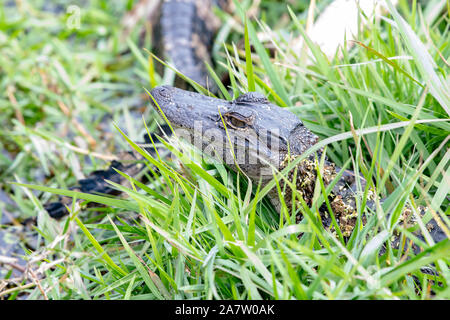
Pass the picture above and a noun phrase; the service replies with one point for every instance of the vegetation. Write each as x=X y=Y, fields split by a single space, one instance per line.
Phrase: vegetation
x=73 y=97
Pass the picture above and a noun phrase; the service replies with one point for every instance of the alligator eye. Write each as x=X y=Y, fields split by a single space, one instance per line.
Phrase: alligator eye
x=235 y=122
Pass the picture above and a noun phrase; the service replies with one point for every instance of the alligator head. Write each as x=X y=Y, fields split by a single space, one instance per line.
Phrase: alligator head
x=248 y=132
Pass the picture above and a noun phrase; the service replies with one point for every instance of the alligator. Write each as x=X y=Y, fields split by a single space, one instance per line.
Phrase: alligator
x=257 y=138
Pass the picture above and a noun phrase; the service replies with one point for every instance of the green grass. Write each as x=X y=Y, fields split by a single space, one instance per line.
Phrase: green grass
x=198 y=230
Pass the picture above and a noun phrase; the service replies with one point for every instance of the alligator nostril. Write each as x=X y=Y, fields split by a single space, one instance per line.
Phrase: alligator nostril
x=164 y=92
x=161 y=91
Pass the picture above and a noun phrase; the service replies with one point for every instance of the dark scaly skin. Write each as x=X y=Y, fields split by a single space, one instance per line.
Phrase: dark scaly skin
x=183 y=32
x=248 y=119
x=96 y=183
x=187 y=31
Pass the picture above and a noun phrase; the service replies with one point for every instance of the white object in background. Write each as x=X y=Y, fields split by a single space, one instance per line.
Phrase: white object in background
x=339 y=21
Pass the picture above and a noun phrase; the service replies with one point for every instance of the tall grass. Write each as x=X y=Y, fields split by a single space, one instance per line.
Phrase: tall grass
x=200 y=231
